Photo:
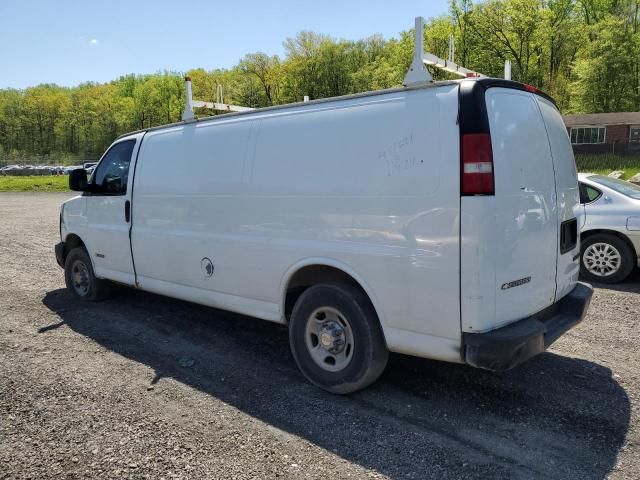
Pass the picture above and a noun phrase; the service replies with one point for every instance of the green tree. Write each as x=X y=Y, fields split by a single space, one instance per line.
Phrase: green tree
x=585 y=53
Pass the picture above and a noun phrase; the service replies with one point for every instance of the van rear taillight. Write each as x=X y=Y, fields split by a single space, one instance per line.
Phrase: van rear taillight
x=477 y=164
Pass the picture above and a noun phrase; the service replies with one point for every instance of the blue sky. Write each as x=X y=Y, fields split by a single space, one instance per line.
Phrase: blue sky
x=68 y=42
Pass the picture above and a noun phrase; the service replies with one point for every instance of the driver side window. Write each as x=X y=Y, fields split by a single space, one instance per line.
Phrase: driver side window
x=113 y=170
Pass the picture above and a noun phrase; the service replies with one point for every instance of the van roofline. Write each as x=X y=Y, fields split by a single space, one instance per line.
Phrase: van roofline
x=485 y=82
x=488 y=82
x=293 y=105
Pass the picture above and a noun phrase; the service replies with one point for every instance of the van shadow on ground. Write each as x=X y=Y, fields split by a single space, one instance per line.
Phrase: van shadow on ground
x=552 y=417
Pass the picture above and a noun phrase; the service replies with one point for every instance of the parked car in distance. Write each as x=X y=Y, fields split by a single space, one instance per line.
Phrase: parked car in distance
x=71 y=168
x=610 y=230
x=9 y=169
x=438 y=220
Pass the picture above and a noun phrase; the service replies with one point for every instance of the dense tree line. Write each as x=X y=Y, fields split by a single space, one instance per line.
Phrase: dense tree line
x=585 y=53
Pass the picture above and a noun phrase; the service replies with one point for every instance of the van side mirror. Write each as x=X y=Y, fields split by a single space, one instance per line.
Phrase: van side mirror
x=78 y=180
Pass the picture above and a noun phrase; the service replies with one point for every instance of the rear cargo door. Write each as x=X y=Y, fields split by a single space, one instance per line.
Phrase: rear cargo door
x=526 y=219
x=569 y=212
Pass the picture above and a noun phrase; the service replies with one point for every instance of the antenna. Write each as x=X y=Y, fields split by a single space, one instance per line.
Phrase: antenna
x=220 y=93
x=507 y=69
x=418 y=72
x=452 y=47
x=188 y=106
x=218 y=106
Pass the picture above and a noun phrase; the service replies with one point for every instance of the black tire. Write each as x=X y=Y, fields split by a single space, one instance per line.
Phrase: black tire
x=627 y=258
x=90 y=289
x=369 y=355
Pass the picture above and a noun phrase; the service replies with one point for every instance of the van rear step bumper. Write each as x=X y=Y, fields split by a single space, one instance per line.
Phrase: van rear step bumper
x=506 y=347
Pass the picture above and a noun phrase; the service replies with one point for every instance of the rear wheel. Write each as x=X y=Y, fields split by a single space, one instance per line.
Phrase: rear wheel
x=606 y=258
x=336 y=339
x=80 y=279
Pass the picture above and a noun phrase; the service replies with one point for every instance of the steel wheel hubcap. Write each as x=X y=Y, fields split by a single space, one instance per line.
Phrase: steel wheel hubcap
x=329 y=339
x=602 y=259
x=80 y=277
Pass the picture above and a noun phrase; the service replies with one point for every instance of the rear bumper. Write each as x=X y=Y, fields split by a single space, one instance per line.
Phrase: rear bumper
x=506 y=347
x=61 y=253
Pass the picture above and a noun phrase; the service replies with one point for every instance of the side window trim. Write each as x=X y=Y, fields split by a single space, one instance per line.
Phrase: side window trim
x=95 y=171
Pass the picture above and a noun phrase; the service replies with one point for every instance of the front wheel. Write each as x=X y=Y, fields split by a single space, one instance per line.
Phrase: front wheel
x=336 y=338
x=80 y=279
x=606 y=258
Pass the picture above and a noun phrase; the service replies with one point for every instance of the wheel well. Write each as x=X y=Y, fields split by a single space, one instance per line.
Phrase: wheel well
x=313 y=275
x=621 y=236
x=72 y=241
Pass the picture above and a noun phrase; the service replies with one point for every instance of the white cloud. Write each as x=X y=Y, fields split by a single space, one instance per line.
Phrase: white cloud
x=89 y=41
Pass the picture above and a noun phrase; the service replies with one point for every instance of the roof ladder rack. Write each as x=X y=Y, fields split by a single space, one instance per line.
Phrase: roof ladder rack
x=418 y=72
x=218 y=106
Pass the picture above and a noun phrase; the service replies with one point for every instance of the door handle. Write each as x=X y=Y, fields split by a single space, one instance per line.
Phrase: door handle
x=127 y=210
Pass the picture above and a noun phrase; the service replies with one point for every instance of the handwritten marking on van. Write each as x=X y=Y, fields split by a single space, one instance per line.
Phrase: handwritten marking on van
x=399 y=156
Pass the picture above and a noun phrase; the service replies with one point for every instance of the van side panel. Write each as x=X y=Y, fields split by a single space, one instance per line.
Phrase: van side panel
x=185 y=208
x=370 y=184
x=510 y=239
x=375 y=186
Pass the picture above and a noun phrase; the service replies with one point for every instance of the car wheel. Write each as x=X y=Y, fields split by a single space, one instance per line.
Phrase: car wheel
x=80 y=279
x=336 y=338
x=606 y=258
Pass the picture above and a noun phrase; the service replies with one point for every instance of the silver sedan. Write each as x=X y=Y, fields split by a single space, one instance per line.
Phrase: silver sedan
x=610 y=230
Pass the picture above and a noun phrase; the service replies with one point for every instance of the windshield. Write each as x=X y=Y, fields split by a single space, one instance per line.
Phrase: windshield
x=620 y=186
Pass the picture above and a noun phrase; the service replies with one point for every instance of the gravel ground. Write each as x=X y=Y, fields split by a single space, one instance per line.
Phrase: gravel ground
x=142 y=386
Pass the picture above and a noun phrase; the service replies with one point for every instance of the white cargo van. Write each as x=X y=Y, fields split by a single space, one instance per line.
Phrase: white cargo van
x=437 y=220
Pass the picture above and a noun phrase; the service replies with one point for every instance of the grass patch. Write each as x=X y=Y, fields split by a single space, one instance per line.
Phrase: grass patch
x=628 y=172
x=49 y=183
x=604 y=164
